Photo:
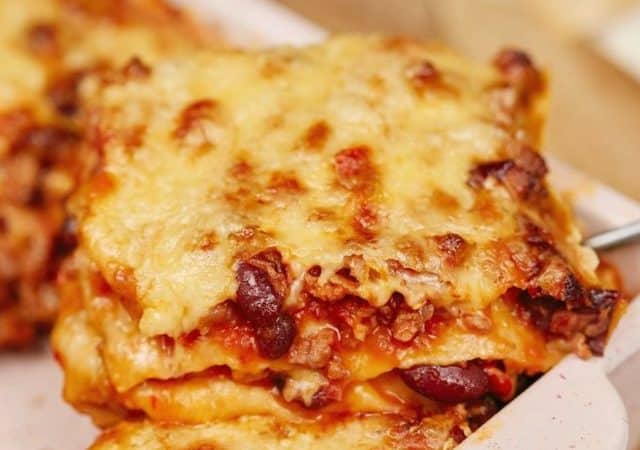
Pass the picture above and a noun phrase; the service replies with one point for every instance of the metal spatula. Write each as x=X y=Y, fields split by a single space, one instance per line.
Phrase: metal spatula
x=614 y=237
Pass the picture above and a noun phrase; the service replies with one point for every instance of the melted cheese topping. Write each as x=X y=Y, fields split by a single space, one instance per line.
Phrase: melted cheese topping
x=324 y=153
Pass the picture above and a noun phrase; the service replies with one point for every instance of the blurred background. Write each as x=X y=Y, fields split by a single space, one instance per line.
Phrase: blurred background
x=591 y=49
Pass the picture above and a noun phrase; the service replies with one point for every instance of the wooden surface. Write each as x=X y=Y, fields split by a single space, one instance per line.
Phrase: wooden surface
x=594 y=121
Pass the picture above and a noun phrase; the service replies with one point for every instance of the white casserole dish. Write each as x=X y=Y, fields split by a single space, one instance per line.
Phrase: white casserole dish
x=573 y=406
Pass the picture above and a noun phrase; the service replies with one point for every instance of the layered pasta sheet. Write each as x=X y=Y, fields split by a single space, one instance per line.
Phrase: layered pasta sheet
x=351 y=245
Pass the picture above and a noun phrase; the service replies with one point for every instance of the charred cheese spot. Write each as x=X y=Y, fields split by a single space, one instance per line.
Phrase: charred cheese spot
x=167 y=344
x=365 y=220
x=443 y=201
x=454 y=248
x=42 y=40
x=423 y=75
x=101 y=184
x=317 y=135
x=135 y=69
x=241 y=170
x=285 y=183
x=323 y=215
x=133 y=138
x=208 y=241
x=196 y=122
x=355 y=169
x=62 y=92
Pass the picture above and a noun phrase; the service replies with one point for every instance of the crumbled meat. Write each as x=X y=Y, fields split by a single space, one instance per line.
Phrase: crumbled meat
x=518 y=70
x=408 y=323
x=314 y=350
x=325 y=395
x=481 y=172
x=423 y=75
x=453 y=246
x=302 y=386
x=523 y=176
x=602 y=298
x=354 y=312
x=387 y=313
x=566 y=323
x=477 y=321
x=336 y=369
x=480 y=411
x=557 y=281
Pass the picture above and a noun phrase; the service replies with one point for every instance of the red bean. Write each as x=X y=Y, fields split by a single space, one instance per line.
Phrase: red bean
x=449 y=384
x=256 y=296
x=275 y=339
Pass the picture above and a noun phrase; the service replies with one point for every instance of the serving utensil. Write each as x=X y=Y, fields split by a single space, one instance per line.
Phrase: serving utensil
x=614 y=237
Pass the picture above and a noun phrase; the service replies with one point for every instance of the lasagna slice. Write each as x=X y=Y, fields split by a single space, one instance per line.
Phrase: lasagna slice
x=352 y=243
x=47 y=47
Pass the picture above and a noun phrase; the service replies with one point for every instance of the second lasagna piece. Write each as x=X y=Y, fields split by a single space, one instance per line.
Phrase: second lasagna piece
x=47 y=48
x=360 y=227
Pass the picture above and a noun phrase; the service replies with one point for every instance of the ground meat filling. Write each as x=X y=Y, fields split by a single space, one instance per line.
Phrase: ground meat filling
x=522 y=176
x=585 y=320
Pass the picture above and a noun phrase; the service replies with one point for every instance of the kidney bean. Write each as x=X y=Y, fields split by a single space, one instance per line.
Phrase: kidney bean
x=275 y=339
x=449 y=384
x=256 y=296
